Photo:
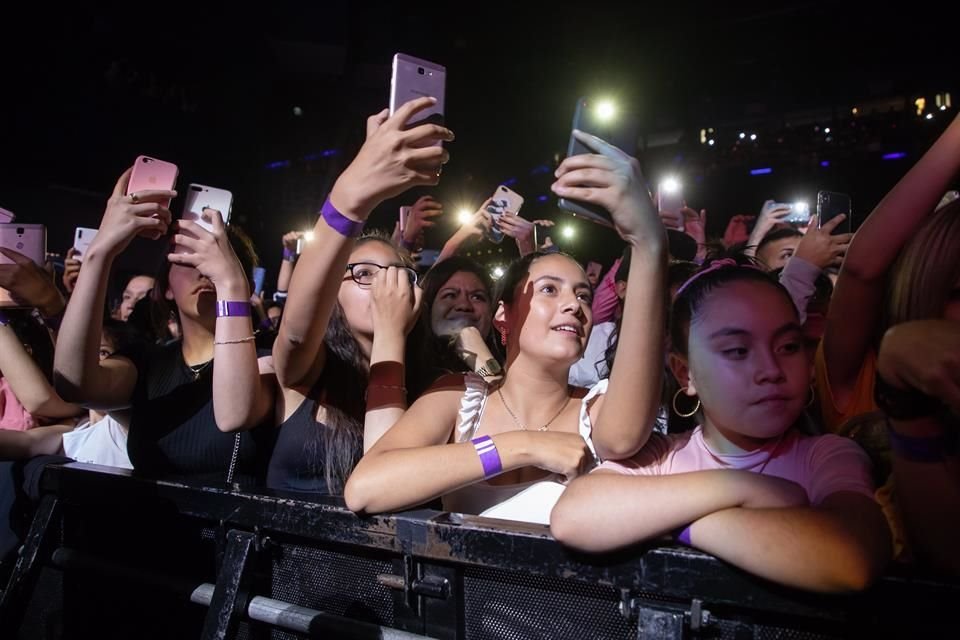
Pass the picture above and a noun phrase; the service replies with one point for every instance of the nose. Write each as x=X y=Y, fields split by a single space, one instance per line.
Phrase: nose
x=768 y=369
x=464 y=303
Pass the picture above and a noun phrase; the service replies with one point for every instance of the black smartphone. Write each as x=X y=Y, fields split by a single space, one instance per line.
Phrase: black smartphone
x=830 y=204
x=618 y=127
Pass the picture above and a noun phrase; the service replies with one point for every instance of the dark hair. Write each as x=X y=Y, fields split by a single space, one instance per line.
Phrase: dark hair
x=123 y=335
x=343 y=382
x=678 y=272
x=35 y=338
x=161 y=308
x=778 y=233
x=434 y=354
x=688 y=302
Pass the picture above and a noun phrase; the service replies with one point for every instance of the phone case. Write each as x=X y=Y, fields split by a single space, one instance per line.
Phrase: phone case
x=504 y=200
x=404 y=214
x=150 y=174
x=831 y=204
x=669 y=202
x=27 y=239
x=621 y=131
x=82 y=238
x=414 y=78
x=259 y=277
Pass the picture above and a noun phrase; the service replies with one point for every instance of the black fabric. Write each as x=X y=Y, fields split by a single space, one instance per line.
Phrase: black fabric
x=172 y=427
x=297 y=460
x=19 y=494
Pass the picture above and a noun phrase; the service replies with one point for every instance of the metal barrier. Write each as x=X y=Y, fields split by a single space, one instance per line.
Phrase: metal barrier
x=158 y=559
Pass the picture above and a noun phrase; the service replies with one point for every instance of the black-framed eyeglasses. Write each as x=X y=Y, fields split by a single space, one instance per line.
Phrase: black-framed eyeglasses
x=363 y=273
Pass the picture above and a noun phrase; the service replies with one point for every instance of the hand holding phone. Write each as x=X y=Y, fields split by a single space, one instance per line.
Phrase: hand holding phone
x=6 y=215
x=147 y=178
x=23 y=280
x=619 y=129
x=200 y=197
x=670 y=203
x=504 y=202
x=831 y=204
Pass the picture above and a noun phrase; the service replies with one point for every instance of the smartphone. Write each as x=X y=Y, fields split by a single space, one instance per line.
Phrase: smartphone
x=82 y=238
x=504 y=201
x=669 y=196
x=619 y=129
x=404 y=216
x=414 y=78
x=259 y=277
x=200 y=197
x=799 y=212
x=150 y=174
x=29 y=240
x=300 y=243
x=6 y=215
x=831 y=204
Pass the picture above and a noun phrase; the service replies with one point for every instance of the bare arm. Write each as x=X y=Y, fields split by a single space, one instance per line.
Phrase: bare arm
x=28 y=383
x=413 y=462
x=852 y=317
x=626 y=415
x=39 y=441
x=391 y=161
x=289 y=260
x=605 y=510
x=396 y=303
x=79 y=376
x=242 y=398
x=471 y=230
x=841 y=545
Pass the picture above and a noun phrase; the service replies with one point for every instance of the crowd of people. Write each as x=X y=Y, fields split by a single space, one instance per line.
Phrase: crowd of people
x=785 y=398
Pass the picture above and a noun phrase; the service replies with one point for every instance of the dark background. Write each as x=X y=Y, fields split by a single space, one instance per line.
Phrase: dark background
x=213 y=88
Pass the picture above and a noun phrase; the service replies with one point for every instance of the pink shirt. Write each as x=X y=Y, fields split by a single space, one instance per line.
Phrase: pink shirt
x=12 y=414
x=822 y=465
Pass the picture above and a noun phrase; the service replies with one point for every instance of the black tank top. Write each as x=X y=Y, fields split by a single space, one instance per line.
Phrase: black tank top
x=297 y=463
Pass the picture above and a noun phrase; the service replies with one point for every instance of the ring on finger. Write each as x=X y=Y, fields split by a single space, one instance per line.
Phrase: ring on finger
x=134 y=199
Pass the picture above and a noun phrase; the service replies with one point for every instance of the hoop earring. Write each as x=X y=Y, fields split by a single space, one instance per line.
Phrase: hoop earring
x=680 y=413
x=813 y=397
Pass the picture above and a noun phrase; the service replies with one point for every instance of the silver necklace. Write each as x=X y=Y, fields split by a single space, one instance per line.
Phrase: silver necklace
x=520 y=424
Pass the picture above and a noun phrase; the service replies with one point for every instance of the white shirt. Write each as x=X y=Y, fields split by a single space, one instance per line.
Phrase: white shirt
x=584 y=372
x=103 y=442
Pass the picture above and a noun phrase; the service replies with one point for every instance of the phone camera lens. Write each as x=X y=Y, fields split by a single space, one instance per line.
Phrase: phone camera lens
x=195 y=188
x=420 y=70
x=145 y=160
x=19 y=231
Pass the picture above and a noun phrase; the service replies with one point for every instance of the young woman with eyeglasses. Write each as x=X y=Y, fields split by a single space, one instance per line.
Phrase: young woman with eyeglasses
x=339 y=353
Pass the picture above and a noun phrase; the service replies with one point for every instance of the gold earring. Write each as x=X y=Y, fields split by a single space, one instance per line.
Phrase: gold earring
x=677 y=411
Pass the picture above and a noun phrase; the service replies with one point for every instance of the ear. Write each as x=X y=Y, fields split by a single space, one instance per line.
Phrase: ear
x=500 y=317
x=168 y=294
x=621 y=288
x=681 y=371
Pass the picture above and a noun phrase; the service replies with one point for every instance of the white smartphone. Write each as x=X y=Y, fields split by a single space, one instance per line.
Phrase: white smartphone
x=29 y=240
x=82 y=238
x=414 y=78
x=6 y=215
x=200 y=197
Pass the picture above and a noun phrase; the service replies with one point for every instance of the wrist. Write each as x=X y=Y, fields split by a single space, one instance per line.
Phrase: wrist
x=349 y=203
x=233 y=290
x=52 y=308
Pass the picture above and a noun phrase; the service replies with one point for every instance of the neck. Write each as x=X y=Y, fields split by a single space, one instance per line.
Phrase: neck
x=532 y=389
x=726 y=441
x=197 y=343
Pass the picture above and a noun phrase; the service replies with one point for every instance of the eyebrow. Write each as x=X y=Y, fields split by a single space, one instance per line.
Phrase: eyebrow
x=735 y=331
x=583 y=284
x=468 y=290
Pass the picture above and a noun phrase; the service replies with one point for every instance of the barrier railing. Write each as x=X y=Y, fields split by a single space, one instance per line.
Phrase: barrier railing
x=146 y=558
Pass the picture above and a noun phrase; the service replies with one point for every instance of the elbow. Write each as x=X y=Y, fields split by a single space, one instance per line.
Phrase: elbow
x=620 y=448
x=569 y=527
x=857 y=573
x=357 y=494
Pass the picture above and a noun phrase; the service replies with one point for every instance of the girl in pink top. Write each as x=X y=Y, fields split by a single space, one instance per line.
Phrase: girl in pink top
x=746 y=485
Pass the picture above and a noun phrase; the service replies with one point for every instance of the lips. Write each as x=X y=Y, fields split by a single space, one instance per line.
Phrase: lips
x=572 y=329
x=772 y=399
